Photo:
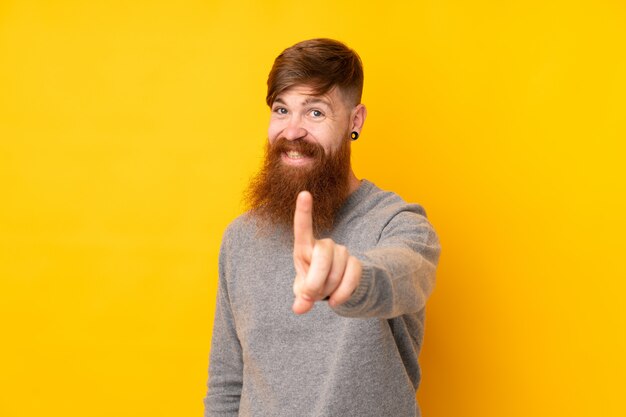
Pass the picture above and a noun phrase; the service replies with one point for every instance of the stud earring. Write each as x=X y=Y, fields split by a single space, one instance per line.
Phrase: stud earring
x=354 y=135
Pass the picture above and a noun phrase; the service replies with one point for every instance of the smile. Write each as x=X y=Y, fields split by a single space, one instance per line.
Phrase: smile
x=295 y=158
x=295 y=155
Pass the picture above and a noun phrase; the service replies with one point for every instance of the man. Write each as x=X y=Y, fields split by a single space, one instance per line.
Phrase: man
x=323 y=282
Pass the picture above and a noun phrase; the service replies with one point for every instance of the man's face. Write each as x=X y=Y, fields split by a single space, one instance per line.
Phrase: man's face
x=322 y=120
x=308 y=149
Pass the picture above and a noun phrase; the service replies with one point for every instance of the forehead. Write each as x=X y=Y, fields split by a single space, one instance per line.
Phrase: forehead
x=305 y=95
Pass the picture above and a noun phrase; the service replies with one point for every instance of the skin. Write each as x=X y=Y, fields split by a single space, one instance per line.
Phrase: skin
x=323 y=267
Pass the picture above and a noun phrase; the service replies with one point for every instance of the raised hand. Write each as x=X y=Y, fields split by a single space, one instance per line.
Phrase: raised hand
x=323 y=267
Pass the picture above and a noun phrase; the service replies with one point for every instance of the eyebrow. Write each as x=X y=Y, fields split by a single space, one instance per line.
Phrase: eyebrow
x=310 y=100
x=315 y=100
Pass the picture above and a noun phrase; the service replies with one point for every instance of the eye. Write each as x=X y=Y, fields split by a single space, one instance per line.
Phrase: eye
x=316 y=113
x=280 y=110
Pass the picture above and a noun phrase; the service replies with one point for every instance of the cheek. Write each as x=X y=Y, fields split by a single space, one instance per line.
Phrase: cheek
x=274 y=130
x=330 y=140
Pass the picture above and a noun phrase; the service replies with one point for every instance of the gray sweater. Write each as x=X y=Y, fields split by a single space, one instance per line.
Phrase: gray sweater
x=359 y=359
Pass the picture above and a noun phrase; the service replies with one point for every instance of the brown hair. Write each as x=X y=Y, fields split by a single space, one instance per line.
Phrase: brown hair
x=320 y=64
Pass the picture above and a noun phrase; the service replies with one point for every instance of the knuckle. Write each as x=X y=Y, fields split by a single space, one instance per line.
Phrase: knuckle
x=310 y=288
x=326 y=243
x=340 y=298
x=354 y=262
x=355 y=270
x=322 y=254
x=334 y=275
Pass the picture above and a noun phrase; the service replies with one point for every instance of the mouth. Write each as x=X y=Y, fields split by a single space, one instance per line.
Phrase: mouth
x=295 y=158
x=294 y=155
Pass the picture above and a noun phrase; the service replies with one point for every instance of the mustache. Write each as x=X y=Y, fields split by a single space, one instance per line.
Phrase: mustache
x=312 y=150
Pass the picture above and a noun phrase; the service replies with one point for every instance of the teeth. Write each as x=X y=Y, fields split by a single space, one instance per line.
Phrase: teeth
x=294 y=155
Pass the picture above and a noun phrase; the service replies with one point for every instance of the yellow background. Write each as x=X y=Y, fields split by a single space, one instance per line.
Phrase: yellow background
x=128 y=130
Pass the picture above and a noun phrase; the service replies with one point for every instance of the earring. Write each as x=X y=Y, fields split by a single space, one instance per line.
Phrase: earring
x=354 y=135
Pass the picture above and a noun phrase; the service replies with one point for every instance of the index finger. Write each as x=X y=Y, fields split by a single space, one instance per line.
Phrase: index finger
x=303 y=223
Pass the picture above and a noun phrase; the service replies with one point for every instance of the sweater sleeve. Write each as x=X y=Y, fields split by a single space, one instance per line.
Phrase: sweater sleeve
x=399 y=272
x=225 y=362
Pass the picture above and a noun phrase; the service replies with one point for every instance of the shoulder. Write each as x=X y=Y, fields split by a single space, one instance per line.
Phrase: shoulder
x=402 y=223
x=240 y=230
x=248 y=234
x=236 y=240
x=371 y=215
x=374 y=201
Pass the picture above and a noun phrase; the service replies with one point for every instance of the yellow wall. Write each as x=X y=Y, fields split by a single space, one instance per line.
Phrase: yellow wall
x=128 y=130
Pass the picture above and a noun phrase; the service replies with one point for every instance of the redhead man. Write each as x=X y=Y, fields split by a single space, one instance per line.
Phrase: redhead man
x=324 y=281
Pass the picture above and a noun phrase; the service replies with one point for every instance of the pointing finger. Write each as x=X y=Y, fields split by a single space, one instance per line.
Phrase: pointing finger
x=303 y=225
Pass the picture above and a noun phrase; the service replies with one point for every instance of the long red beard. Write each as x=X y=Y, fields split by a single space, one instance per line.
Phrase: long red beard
x=271 y=194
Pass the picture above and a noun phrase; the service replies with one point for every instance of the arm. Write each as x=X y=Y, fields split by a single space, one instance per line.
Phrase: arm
x=398 y=274
x=393 y=278
x=225 y=363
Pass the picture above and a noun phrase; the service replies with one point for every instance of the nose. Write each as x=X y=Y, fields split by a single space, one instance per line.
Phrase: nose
x=294 y=129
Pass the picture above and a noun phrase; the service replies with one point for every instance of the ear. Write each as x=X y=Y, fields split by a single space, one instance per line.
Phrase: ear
x=357 y=118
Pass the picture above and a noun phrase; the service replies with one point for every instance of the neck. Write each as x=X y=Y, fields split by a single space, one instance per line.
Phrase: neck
x=353 y=182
